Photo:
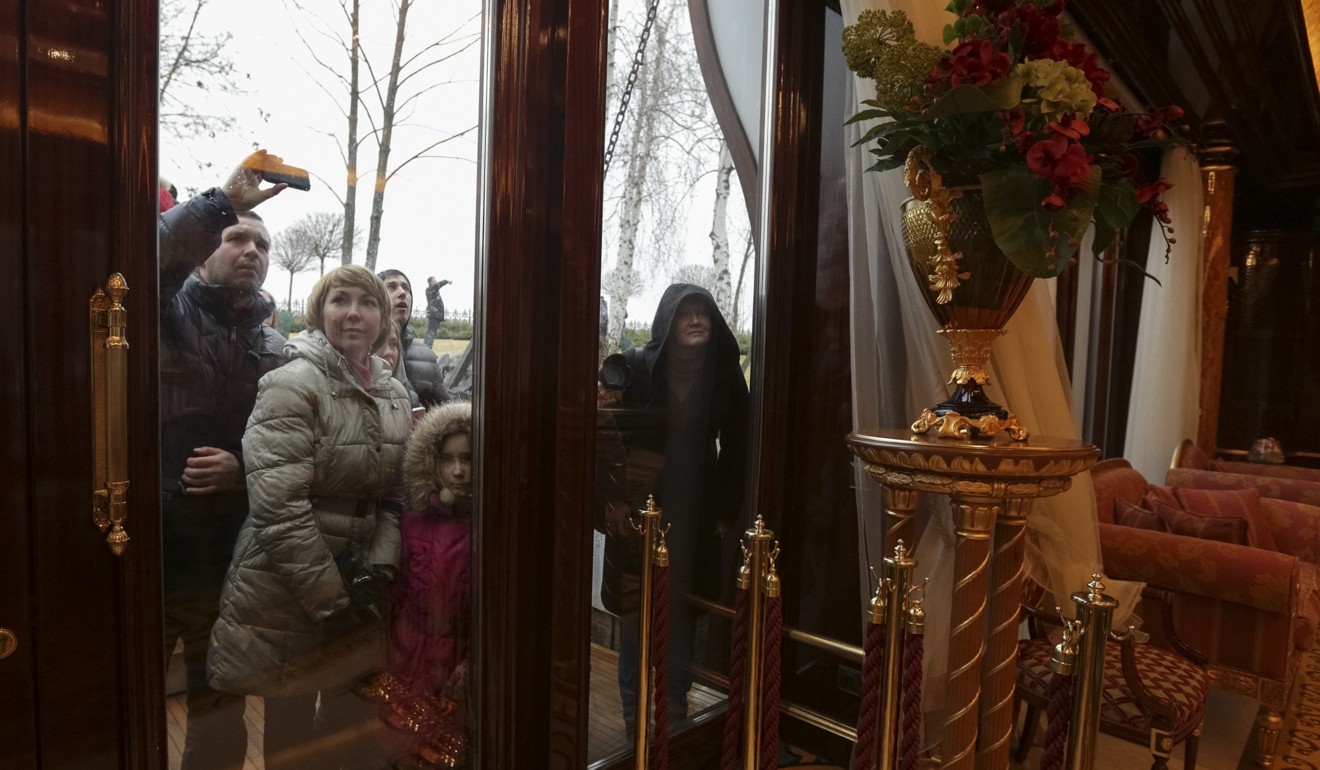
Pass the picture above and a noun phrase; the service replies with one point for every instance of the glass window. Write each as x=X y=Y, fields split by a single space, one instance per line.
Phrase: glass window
x=678 y=267
x=318 y=199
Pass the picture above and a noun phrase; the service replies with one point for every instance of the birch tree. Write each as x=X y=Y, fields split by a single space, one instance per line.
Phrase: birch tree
x=385 y=100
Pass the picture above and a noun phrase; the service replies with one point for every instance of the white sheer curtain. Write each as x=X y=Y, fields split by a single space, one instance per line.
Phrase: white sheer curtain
x=1165 y=404
x=900 y=365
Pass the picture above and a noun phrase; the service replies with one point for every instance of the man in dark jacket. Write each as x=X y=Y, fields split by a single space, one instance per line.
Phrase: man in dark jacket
x=214 y=346
x=679 y=433
x=435 y=308
x=420 y=363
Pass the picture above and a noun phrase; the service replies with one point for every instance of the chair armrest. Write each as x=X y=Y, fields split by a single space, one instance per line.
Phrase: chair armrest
x=1180 y=646
x=1265 y=580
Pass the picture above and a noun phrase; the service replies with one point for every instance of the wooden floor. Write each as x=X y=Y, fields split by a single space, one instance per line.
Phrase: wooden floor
x=606 y=735
x=1227 y=729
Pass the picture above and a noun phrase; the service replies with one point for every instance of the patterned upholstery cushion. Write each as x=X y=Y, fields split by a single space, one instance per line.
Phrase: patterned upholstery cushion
x=1241 y=503
x=1170 y=678
x=1159 y=494
x=1129 y=515
x=1225 y=529
x=1281 y=489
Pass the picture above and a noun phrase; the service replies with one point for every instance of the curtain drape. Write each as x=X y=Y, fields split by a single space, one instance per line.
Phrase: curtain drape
x=1165 y=405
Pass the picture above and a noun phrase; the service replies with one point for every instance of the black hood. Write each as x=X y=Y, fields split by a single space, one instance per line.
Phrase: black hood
x=723 y=346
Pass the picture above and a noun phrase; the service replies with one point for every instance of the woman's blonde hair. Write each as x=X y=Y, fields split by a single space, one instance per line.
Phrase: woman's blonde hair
x=350 y=276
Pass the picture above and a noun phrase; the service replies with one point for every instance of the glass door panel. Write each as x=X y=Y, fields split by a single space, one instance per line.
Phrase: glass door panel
x=677 y=275
x=319 y=197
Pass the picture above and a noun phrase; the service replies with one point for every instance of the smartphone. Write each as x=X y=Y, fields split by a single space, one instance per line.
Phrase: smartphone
x=275 y=170
x=296 y=178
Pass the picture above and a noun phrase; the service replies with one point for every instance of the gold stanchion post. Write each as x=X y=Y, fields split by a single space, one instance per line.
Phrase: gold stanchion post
x=1095 y=611
x=762 y=541
x=898 y=569
x=649 y=527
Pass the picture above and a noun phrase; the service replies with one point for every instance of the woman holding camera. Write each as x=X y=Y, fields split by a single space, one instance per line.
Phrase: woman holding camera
x=302 y=600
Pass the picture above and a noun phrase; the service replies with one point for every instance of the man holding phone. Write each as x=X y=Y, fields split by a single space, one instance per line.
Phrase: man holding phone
x=214 y=347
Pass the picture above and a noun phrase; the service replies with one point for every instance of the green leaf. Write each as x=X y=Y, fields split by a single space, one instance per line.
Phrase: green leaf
x=1115 y=207
x=964 y=99
x=1022 y=227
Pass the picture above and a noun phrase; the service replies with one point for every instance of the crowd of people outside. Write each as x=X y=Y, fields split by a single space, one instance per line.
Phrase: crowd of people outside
x=317 y=496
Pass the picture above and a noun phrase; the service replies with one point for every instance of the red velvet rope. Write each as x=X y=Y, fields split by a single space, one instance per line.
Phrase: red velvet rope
x=774 y=627
x=910 y=737
x=660 y=656
x=1058 y=714
x=733 y=724
x=873 y=663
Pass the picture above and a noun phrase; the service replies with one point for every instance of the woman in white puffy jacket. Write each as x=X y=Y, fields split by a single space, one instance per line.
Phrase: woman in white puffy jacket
x=324 y=448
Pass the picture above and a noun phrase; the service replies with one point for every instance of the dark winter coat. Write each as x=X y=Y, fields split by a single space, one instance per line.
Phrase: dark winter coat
x=690 y=454
x=421 y=367
x=323 y=466
x=211 y=353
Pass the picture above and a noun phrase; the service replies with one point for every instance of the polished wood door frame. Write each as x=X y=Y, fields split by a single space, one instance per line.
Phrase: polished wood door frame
x=82 y=199
x=18 y=733
x=535 y=406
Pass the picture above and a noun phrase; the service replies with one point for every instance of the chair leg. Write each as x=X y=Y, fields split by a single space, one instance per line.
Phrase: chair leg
x=1268 y=724
x=1191 y=745
x=1028 y=734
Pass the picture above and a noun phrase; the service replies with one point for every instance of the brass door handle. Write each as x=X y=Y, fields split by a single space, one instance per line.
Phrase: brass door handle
x=109 y=320
x=8 y=643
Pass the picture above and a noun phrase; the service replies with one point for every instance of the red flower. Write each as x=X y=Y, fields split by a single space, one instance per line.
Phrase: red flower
x=974 y=61
x=1148 y=195
x=1064 y=163
x=1040 y=29
x=1071 y=126
x=1078 y=56
x=1127 y=165
x=1152 y=124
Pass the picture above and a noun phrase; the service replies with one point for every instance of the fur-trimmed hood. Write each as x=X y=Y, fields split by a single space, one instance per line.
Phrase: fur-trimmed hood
x=421 y=464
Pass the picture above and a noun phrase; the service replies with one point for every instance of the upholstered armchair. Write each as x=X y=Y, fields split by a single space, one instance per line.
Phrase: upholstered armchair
x=1252 y=611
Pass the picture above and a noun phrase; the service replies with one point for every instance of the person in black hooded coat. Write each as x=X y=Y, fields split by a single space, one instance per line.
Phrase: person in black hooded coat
x=679 y=432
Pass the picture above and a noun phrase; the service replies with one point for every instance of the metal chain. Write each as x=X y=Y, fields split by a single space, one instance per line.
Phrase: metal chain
x=638 y=58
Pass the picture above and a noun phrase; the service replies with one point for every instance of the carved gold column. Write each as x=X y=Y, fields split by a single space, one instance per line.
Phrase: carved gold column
x=997 y=674
x=973 y=520
x=991 y=483
x=1218 y=172
x=900 y=508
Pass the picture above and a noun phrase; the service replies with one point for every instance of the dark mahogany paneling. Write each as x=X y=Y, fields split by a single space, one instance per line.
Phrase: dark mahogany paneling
x=802 y=477
x=132 y=194
x=68 y=243
x=536 y=390
x=17 y=737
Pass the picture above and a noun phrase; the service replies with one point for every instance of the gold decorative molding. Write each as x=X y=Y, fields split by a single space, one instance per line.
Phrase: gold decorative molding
x=927 y=186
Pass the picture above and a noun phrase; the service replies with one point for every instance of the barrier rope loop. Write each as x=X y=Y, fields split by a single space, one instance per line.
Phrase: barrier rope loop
x=733 y=725
x=1063 y=664
x=660 y=653
x=913 y=662
x=773 y=630
x=873 y=663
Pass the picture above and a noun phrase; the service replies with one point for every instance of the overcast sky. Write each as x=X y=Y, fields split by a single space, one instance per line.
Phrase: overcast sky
x=292 y=108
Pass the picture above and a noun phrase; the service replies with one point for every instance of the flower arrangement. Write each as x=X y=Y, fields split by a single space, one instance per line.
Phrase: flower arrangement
x=1016 y=107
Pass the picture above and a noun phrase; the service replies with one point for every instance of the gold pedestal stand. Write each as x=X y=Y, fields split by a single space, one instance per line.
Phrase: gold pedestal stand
x=990 y=483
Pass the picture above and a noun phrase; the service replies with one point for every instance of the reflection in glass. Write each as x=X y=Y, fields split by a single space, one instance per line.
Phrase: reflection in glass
x=673 y=411
x=287 y=507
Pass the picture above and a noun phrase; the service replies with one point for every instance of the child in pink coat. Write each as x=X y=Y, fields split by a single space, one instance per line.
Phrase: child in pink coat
x=427 y=644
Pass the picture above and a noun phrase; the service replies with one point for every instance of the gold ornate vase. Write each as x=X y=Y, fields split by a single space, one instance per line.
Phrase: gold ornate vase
x=974 y=290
